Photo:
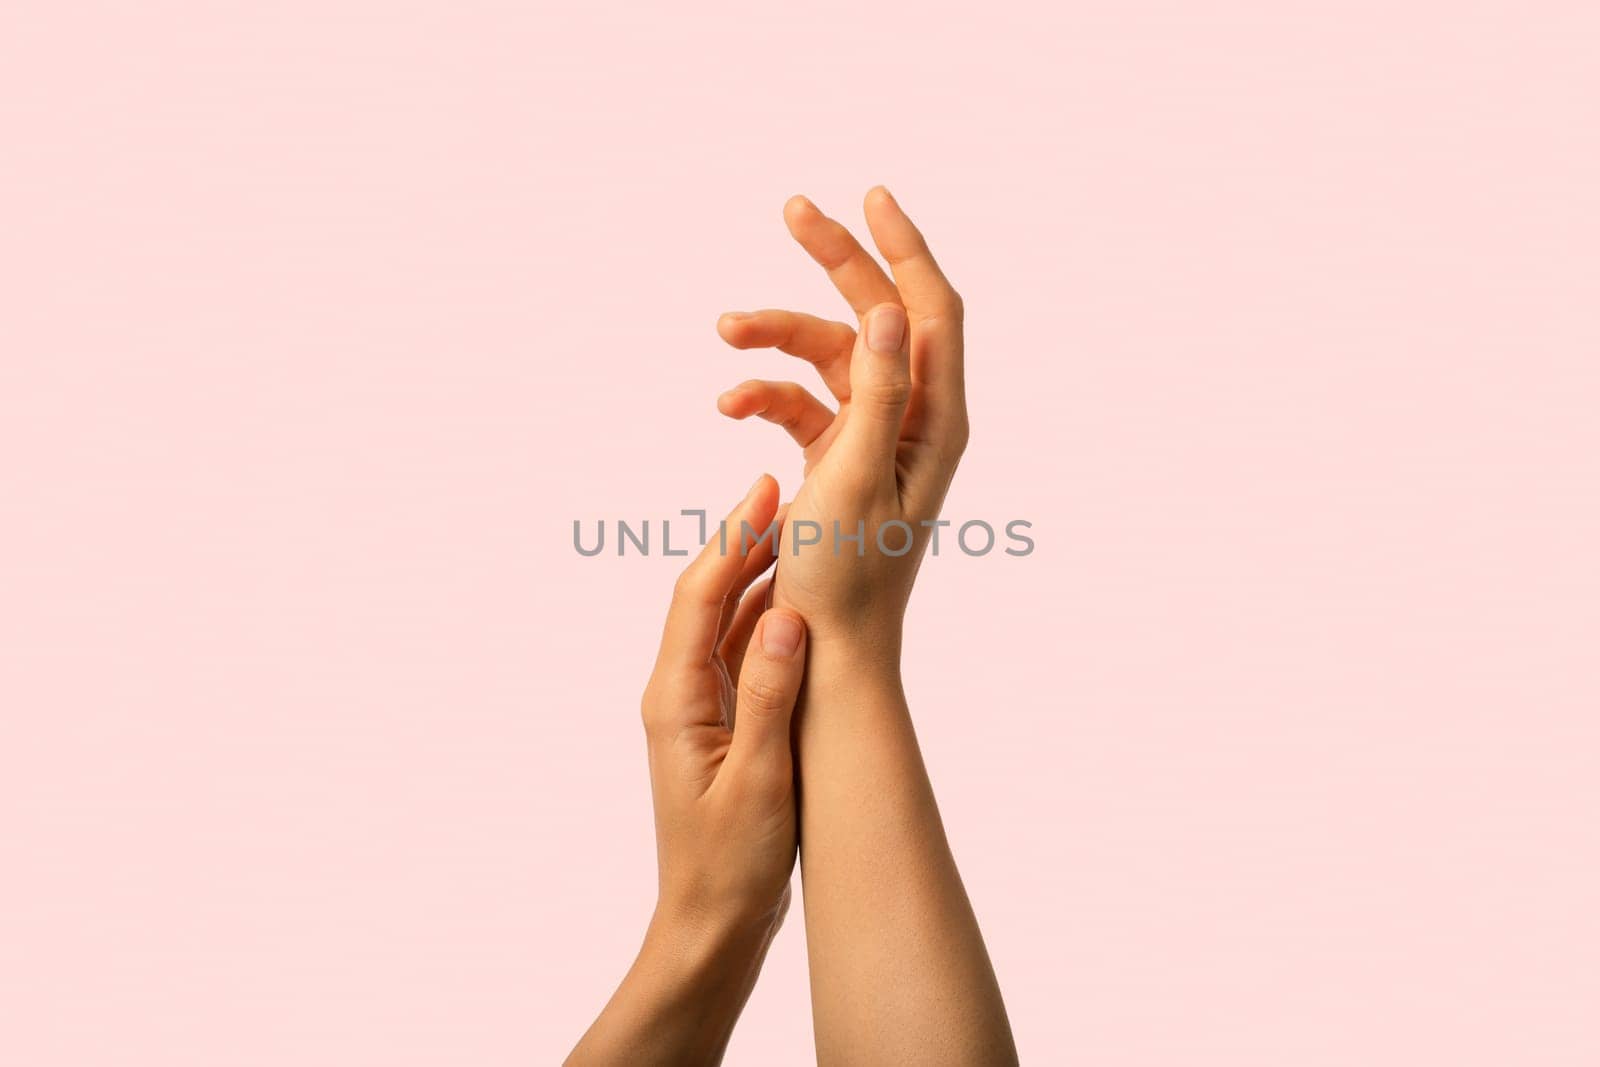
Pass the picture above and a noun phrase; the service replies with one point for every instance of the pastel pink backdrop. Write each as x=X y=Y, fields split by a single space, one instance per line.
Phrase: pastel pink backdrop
x=321 y=322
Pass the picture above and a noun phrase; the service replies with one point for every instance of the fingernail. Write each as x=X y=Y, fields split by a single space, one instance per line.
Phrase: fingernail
x=886 y=328
x=780 y=636
x=754 y=486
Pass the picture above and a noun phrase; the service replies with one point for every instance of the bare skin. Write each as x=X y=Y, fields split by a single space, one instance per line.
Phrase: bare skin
x=716 y=714
x=899 y=971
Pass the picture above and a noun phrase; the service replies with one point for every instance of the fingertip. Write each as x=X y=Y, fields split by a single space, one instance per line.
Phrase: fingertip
x=881 y=202
x=782 y=633
x=797 y=207
x=769 y=488
x=755 y=486
x=885 y=328
x=762 y=502
x=763 y=495
x=742 y=401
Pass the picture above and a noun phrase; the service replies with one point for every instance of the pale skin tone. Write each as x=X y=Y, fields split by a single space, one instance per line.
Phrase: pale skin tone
x=899 y=971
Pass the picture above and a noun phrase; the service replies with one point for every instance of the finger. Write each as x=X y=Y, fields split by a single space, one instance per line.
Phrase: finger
x=880 y=386
x=825 y=345
x=769 y=683
x=922 y=286
x=741 y=625
x=785 y=404
x=935 y=309
x=850 y=267
x=690 y=634
x=762 y=553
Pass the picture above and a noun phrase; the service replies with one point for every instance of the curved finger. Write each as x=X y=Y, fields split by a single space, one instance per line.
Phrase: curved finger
x=741 y=625
x=785 y=404
x=825 y=345
x=695 y=616
x=850 y=267
x=880 y=379
x=761 y=554
x=769 y=684
x=936 y=311
x=924 y=290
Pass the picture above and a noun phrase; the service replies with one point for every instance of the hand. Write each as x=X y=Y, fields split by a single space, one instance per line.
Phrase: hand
x=889 y=928
x=881 y=465
x=716 y=715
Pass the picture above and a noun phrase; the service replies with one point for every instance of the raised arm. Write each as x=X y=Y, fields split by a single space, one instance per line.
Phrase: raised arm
x=899 y=971
x=721 y=775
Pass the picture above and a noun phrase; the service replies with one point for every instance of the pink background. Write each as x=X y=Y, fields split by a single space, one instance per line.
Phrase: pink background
x=320 y=322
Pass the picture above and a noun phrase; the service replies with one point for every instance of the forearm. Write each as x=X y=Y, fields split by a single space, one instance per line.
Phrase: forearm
x=899 y=972
x=680 y=999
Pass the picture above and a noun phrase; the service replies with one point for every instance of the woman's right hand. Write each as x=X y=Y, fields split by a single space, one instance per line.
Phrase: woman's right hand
x=880 y=466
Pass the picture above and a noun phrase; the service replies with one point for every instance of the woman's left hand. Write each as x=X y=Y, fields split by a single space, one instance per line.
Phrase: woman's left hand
x=716 y=717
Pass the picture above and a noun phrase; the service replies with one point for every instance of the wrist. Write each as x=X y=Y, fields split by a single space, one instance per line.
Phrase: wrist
x=859 y=658
x=692 y=977
x=679 y=1001
x=701 y=944
x=863 y=637
x=865 y=618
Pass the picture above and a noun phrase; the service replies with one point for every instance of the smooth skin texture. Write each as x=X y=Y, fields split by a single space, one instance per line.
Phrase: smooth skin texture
x=717 y=719
x=899 y=971
x=889 y=451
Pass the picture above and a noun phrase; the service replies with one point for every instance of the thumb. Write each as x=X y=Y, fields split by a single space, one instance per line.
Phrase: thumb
x=769 y=683
x=880 y=388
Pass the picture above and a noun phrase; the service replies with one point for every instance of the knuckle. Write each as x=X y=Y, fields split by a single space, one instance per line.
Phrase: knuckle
x=649 y=711
x=956 y=307
x=768 y=777
x=786 y=409
x=890 y=395
x=685 y=588
x=960 y=437
x=944 y=311
x=764 y=695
